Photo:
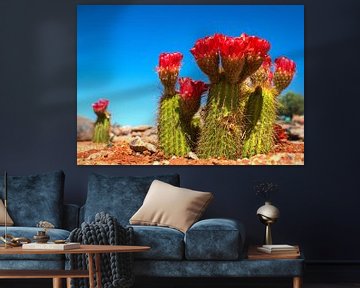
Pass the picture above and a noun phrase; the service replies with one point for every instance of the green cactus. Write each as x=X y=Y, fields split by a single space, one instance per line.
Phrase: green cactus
x=260 y=115
x=221 y=133
x=174 y=134
x=102 y=128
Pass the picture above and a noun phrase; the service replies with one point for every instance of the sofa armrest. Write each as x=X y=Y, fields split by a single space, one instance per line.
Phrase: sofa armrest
x=215 y=239
x=71 y=216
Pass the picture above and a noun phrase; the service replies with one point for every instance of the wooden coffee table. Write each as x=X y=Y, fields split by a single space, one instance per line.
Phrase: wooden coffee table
x=92 y=251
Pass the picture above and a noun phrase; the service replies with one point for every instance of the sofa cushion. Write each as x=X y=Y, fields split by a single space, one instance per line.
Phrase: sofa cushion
x=39 y=264
x=29 y=232
x=35 y=198
x=9 y=221
x=214 y=239
x=121 y=197
x=165 y=243
x=169 y=206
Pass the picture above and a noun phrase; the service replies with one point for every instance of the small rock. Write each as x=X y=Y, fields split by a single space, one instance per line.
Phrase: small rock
x=124 y=130
x=153 y=139
x=150 y=132
x=192 y=155
x=115 y=130
x=173 y=157
x=85 y=129
x=296 y=133
x=156 y=163
x=97 y=155
x=141 y=128
x=139 y=145
x=136 y=133
x=166 y=162
x=123 y=138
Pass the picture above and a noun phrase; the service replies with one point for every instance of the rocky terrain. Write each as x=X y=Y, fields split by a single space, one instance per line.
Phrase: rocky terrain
x=137 y=145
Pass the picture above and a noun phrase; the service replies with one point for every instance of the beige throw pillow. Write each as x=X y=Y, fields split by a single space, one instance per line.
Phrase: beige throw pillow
x=170 y=206
x=9 y=221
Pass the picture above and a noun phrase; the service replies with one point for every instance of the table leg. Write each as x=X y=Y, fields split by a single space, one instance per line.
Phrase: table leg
x=57 y=283
x=297 y=282
x=91 y=270
x=68 y=282
x=98 y=270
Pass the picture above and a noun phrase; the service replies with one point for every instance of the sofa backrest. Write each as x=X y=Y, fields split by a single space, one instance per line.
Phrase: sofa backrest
x=35 y=198
x=70 y=219
x=121 y=197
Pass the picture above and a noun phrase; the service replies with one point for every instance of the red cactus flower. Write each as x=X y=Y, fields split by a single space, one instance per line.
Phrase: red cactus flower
x=190 y=93
x=285 y=65
x=233 y=47
x=100 y=106
x=168 y=69
x=207 y=47
x=232 y=51
x=256 y=46
x=256 y=51
x=190 y=89
x=263 y=75
x=206 y=54
x=267 y=63
x=169 y=61
x=284 y=72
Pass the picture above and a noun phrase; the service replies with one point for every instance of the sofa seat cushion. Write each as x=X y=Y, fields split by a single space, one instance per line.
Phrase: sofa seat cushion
x=166 y=243
x=119 y=196
x=39 y=264
x=29 y=232
x=214 y=239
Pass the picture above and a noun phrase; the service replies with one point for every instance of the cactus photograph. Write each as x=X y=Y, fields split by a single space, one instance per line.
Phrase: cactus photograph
x=190 y=85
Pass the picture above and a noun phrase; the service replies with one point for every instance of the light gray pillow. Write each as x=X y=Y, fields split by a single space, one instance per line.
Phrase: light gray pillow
x=170 y=206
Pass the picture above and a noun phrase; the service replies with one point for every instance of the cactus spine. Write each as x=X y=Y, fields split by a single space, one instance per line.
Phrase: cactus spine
x=102 y=129
x=260 y=114
x=220 y=135
x=173 y=134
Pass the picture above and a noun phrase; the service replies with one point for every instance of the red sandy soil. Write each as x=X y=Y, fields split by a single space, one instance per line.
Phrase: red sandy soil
x=119 y=153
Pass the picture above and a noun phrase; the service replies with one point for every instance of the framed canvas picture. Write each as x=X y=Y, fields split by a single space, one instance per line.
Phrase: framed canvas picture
x=190 y=85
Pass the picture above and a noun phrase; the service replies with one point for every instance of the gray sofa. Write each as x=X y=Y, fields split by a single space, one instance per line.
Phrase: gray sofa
x=210 y=248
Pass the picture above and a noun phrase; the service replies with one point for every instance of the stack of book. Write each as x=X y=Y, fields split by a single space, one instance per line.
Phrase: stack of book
x=274 y=252
x=278 y=249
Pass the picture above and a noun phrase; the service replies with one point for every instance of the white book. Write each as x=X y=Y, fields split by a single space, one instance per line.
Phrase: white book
x=51 y=246
x=275 y=249
x=279 y=247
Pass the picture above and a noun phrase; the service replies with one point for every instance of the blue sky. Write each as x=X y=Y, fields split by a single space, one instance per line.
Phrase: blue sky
x=118 y=48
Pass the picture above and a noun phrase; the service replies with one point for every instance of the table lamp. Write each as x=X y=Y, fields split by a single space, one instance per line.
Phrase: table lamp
x=268 y=214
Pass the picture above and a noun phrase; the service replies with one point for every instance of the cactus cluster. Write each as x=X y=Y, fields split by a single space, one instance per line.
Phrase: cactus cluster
x=240 y=112
x=177 y=131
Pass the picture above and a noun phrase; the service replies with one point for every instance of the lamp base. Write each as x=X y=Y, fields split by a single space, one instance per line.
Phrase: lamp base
x=268 y=237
